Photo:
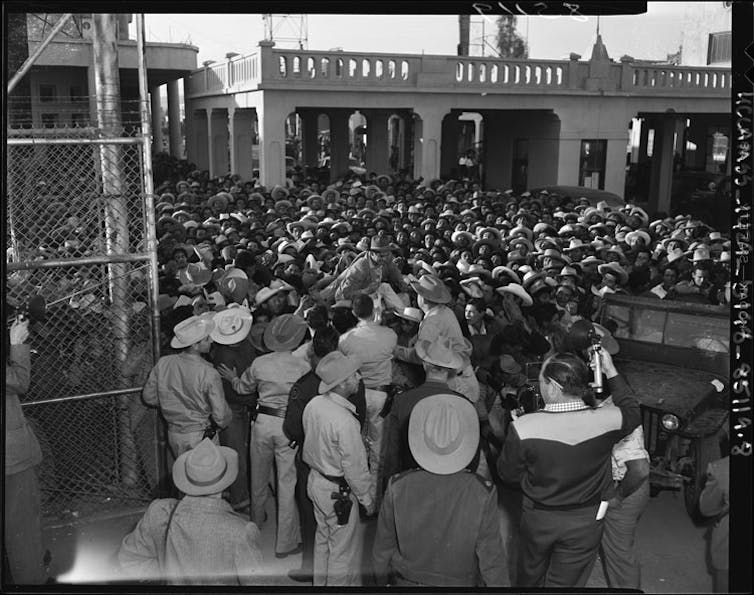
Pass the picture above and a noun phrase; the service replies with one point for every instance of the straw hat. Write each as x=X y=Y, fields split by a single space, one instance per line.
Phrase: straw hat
x=443 y=433
x=614 y=269
x=285 y=332
x=518 y=291
x=334 y=368
x=412 y=314
x=231 y=325
x=191 y=331
x=198 y=274
x=205 y=469
x=432 y=289
x=442 y=352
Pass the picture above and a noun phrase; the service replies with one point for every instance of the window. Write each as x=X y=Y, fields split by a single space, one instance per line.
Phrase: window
x=47 y=93
x=592 y=164
x=719 y=48
x=79 y=120
x=78 y=95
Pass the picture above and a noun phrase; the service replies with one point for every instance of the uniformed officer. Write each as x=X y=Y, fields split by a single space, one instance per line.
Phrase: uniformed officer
x=439 y=525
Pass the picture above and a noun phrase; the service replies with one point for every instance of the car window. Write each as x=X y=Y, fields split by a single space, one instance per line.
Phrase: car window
x=706 y=333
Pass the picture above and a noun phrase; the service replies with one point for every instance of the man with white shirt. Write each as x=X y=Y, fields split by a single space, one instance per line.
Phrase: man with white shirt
x=335 y=452
x=372 y=345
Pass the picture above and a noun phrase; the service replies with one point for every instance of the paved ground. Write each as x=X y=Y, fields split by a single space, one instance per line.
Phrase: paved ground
x=672 y=550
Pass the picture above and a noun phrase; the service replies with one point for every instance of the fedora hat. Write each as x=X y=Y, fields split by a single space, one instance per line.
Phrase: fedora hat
x=285 y=332
x=518 y=291
x=432 y=289
x=334 y=368
x=191 y=331
x=614 y=269
x=412 y=314
x=442 y=352
x=380 y=244
x=632 y=237
x=232 y=325
x=235 y=284
x=205 y=469
x=443 y=433
x=256 y=336
x=504 y=270
x=220 y=200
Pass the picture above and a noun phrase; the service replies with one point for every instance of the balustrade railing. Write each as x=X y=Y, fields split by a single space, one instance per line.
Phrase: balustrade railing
x=387 y=71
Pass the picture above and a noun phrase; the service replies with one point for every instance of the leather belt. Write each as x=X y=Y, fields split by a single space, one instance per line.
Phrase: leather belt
x=271 y=411
x=385 y=388
x=339 y=479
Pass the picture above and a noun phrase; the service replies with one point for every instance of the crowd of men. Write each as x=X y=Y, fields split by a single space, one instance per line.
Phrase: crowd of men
x=353 y=350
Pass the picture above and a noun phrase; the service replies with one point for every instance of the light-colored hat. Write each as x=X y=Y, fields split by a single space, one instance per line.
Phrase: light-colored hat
x=205 y=469
x=232 y=325
x=614 y=269
x=198 y=274
x=192 y=330
x=518 y=291
x=442 y=352
x=285 y=332
x=499 y=270
x=443 y=433
x=633 y=236
x=334 y=368
x=412 y=314
x=432 y=289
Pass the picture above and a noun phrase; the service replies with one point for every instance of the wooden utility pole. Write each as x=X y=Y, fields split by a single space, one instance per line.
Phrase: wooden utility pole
x=107 y=90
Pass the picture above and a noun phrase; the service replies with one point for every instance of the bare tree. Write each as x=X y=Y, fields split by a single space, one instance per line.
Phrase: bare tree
x=509 y=43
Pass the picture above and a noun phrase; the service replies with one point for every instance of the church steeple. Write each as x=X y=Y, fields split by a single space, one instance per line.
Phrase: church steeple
x=599 y=51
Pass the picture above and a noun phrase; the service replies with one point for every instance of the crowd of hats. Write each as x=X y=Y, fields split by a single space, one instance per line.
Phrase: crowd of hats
x=472 y=239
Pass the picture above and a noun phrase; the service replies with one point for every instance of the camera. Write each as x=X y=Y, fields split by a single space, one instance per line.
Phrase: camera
x=33 y=308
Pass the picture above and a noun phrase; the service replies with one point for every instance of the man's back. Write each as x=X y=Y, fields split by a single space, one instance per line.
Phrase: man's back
x=203 y=543
x=373 y=345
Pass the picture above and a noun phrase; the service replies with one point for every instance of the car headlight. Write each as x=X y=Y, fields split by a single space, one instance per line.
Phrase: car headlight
x=670 y=422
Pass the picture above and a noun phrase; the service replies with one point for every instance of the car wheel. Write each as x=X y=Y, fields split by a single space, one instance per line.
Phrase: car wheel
x=705 y=450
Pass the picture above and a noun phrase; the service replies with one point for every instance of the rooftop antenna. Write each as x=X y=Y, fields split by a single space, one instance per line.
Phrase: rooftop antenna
x=287 y=30
x=598 y=25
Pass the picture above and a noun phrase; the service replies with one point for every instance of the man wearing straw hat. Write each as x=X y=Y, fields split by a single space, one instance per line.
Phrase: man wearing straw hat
x=339 y=476
x=186 y=388
x=272 y=375
x=197 y=540
x=439 y=525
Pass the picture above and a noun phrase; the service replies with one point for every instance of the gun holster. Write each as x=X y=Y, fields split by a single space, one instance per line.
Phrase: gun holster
x=391 y=393
x=343 y=503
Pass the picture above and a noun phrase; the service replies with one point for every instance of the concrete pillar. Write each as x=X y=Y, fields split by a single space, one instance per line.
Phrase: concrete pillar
x=157 y=140
x=174 y=120
x=661 y=181
x=498 y=159
x=431 y=143
x=339 y=142
x=219 y=154
x=378 y=147
x=569 y=154
x=242 y=143
x=309 y=137
x=91 y=82
x=232 y=140
x=271 y=116
x=197 y=149
x=449 y=153
x=210 y=151
x=615 y=167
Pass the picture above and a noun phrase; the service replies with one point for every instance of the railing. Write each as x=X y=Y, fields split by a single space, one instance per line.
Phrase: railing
x=386 y=71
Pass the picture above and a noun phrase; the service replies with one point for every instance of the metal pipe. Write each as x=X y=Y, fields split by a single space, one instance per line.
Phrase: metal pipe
x=72 y=141
x=29 y=62
x=110 y=393
x=69 y=262
x=150 y=232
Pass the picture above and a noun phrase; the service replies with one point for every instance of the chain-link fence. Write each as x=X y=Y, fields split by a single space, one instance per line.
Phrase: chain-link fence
x=78 y=236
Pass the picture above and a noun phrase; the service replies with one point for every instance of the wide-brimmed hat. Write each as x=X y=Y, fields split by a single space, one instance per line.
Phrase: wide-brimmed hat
x=192 y=330
x=518 y=291
x=632 y=237
x=509 y=365
x=234 y=283
x=614 y=269
x=220 y=200
x=232 y=325
x=504 y=270
x=256 y=336
x=334 y=368
x=205 y=469
x=198 y=274
x=380 y=244
x=267 y=292
x=443 y=352
x=285 y=332
x=443 y=433
x=412 y=314
x=432 y=289
x=579 y=336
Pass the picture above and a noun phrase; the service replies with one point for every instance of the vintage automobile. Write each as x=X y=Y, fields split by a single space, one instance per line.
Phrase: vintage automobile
x=675 y=355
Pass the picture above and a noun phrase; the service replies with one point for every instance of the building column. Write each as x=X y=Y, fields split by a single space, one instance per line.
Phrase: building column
x=91 y=82
x=449 y=153
x=242 y=143
x=220 y=164
x=210 y=160
x=157 y=140
x=378 y=148
x=498 y=157
x=661 y=181
x=174 y=120
x=339 y=142
x=429 y=134
x=196 y=149
x=309 y=138
x=232 y=164
x=271 y=118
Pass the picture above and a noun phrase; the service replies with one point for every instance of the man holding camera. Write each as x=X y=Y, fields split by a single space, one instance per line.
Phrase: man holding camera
x=339 y=476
